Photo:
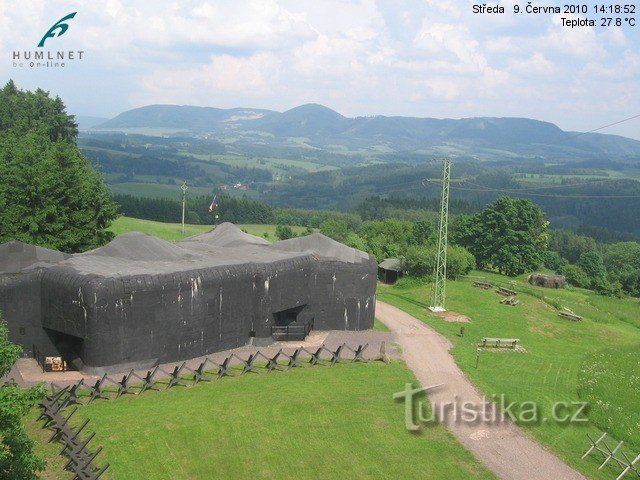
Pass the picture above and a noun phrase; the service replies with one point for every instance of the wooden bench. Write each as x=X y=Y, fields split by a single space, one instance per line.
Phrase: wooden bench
x=483 y=285
x=570 y=315
x=506 y=291
x=511 y=300
x=499 y=342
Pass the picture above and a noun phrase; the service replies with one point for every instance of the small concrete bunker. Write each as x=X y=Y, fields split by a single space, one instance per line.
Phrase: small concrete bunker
x=140 y=300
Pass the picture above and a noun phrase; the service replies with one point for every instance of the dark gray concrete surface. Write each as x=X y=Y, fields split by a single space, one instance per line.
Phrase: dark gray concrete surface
x=140 y=300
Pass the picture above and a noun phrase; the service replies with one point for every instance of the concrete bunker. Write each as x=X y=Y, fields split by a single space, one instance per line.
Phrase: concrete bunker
x=140 y=300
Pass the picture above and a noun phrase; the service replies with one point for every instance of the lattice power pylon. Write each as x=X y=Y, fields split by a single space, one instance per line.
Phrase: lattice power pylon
x=440 y=274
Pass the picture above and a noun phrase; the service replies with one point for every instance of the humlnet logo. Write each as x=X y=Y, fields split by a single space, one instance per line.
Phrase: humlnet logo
x=60 y=27
x=49 y=58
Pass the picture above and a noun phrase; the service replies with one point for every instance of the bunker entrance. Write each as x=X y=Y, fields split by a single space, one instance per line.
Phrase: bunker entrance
x=68 y=352
x=289 y=326
x=287 y=317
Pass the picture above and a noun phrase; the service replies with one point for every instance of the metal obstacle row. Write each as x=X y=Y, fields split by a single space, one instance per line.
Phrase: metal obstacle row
x=81 y=458
x=182 y=375
x=614 y=454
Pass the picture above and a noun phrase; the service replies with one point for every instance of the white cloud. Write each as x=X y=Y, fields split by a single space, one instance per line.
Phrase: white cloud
x=253 y=76
x=582 y=42
x=536 y=64
x=421 y=57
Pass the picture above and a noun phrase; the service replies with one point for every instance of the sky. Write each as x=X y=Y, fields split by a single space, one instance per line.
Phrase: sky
x=429 y=58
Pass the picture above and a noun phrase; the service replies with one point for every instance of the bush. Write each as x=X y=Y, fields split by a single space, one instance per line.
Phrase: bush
x=17 y=460
x=284 y=232
x=576 y=276
x=605 y=287
x=593 y=266
x=459 y=261
x=420 y=261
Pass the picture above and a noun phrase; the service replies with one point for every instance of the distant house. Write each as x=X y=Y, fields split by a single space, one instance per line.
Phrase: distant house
x=390 y=270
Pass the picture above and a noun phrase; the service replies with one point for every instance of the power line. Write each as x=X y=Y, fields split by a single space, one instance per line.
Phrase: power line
x=521 y=192
x=543 y=187
x=606 y=126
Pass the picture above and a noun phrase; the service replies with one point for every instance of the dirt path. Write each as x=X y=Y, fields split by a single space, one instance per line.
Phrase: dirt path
x=500 y=445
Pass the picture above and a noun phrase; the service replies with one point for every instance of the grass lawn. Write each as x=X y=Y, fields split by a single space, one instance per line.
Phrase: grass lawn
x=308 y=423
x=173 y=231
x=558 y=351
x=168 y=231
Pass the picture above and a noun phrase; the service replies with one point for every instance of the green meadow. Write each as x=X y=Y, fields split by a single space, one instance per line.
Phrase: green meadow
x=173 y=231
x=308 y=423
x=594 y=360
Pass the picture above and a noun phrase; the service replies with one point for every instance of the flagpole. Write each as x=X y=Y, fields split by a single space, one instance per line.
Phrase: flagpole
x=184 y=197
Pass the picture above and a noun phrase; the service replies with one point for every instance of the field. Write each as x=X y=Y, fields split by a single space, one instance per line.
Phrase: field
x=173 y=231
x=559 y=354
x=155 y=190
x=309 y=423
x=276 y=165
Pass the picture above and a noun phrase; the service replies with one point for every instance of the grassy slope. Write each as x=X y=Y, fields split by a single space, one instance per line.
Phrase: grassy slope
x=556 y=350
x=172 y=231
x=330 y=423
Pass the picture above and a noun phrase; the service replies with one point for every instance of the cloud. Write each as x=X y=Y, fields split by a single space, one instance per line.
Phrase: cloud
x=582 y=42
x=252 y=76
x=536 y=64
x=415 y=57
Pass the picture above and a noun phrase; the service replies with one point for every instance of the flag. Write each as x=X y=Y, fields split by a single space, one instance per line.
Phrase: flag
x=214 y=204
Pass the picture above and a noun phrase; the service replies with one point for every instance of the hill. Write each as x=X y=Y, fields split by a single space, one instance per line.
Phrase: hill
x=594 y=360
x=316 y=126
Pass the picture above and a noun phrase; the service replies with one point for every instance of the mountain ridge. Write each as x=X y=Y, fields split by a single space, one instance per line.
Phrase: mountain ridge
x=321 y=127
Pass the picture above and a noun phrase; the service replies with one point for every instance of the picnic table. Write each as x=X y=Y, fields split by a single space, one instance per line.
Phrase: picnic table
x=499 y=342
x=510 y=300
x=570 y=315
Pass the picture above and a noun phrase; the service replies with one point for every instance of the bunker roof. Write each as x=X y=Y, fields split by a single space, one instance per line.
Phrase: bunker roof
x=138 y=253
x=16 y=256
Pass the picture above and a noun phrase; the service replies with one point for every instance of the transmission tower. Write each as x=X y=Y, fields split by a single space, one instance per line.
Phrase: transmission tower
x=440 y=273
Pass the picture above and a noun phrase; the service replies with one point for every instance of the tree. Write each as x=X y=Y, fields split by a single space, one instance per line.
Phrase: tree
x=193 y=218
x=284 y=232
x=553 y=260
x=593 y=265
x=49 y=193
x=622 y=261
x=509 y=235
x=17 y=460
x=336 y=229
x=419 y=261
x=576 y=276
x=570 y=245
x=399 y=232
x=354 y=241
x=422 y=230
x=460 y=261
